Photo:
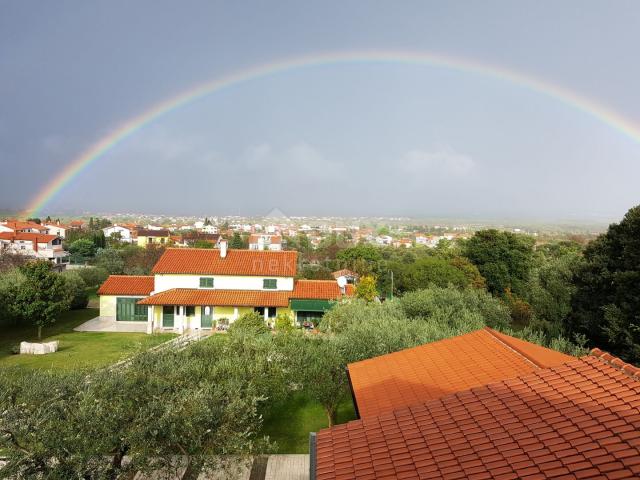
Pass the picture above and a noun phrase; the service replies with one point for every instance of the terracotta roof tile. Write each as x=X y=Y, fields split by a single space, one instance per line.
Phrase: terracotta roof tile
x=127 y=285
x=232 y=298
x=319 y=289
x=28 y=236
x=237 y=262
x=430 y=371
x=532 y=426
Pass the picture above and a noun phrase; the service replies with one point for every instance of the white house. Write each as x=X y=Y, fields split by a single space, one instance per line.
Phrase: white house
x=126 y=235
x=57 y=229
x=210 y=229
x=198 y=289
x=265 y=242
x=22 y=227
x=35 y=245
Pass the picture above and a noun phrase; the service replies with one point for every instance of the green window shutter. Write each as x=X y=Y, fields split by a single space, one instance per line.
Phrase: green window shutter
x=127 y=310
x=270 y=283
x=206 y=282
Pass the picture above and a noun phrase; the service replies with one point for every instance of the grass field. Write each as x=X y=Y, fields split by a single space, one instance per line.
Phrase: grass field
x=289 y=423
x=78 y=350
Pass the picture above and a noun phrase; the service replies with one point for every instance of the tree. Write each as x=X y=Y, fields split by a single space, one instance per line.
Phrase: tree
x=504 y=259
x=203 y=244
x=321 y=370
x=10 y=281
x=606 y=303
x=236 y=241
x=203 y=403
x=551 y=288
x=366 y=288
x=427 y=271
x=82 y=249
x=110 y=260
x=42 y=296
x=92 y=276
x=76 y=290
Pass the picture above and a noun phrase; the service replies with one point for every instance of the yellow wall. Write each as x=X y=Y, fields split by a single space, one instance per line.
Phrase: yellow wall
x=144 y=241
x=107 y=305
x=223 y=312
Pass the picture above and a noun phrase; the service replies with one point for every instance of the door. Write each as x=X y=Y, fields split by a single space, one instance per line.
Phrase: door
x=167 y=316
x=206 y=319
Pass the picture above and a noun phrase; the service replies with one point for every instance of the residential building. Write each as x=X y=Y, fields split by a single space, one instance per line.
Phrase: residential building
x=57 y=229
x=265 y=242
x=486 y=406
x=210 y=229
x=152 y=237
x=14 y=226
x=350 y=276
x=195 y=289
x=189 y=239
x=126 y=233
x=35 y=245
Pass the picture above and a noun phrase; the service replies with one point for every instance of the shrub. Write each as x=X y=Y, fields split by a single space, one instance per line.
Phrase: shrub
x=249 y=324
x=92 y=276
x=284 y=322
x=453 y=305
x=76 y=290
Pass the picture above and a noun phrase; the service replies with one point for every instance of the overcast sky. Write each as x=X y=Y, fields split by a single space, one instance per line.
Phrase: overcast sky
x=341 y=139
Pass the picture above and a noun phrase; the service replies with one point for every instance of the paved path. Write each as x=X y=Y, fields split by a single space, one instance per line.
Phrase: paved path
x=109 y=324
x=287 y=467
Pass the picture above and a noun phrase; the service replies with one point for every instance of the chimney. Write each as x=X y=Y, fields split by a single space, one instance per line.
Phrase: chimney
x=223 y=248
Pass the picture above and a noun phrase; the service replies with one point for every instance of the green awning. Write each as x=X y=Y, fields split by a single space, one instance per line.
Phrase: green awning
x=311 y=305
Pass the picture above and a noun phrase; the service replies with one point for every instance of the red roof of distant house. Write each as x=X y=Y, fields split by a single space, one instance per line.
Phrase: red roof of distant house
x=127 y=285
x=17 y=226
x=28 y=236
x=144 y=232
x=233 y=298
x=344 y=273
x=430 y=371
x=237 y=262
x=578 y=420
x=319 y=289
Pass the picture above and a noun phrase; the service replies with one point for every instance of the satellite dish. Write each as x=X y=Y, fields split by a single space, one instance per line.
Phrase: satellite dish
x=342 y=281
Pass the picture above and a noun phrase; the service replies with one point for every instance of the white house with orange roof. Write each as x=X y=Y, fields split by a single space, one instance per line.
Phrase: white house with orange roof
x=265 y=242
x=195 y=289
x=36 y=245
x=15 y=226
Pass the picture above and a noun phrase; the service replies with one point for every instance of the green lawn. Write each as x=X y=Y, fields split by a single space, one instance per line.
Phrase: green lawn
x=77 y=349
x=289 y=423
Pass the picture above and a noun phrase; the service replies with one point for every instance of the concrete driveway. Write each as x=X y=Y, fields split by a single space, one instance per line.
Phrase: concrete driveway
x=109 y=324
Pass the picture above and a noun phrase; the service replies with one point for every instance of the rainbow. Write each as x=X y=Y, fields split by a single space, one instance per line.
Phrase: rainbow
x=98 y=150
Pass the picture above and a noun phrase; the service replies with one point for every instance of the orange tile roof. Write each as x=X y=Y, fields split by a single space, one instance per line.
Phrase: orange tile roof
x=127 y=285
x=578 y=420
x=29 y=236
x=17 y=226
x=237 y=262
x=230 y=298
x=344 y=273
x=319 y=289
x=430 y=371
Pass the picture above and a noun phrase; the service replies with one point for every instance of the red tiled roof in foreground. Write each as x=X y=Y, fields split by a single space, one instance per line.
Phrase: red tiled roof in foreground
x=127 y=285
x=28 y=236
x=430 y=371
x=579 y=420
x=319 y=289
x=231 y=298
x=207 y=261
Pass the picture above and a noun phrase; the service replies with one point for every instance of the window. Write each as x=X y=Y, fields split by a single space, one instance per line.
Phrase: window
x=190 y=311
x=206 y=282
x=270 y=283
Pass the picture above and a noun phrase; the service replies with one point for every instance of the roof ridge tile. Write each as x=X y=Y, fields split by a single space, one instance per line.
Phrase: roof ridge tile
x=617 y=363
